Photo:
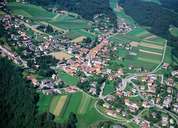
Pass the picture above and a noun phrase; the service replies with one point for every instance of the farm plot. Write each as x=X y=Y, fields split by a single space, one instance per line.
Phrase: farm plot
x=153 y=46
x=119 y=39
x=84 y=104
x=53 y=103
x=43 y=103
x=78 y=39
x=141 y=33
x=31 y=11
x=149 y=57
x=72 y=34
x=61 y=55
x=73 y=24
x=59 y=105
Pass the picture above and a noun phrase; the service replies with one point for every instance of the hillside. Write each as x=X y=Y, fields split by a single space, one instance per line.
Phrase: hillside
x=87 y=9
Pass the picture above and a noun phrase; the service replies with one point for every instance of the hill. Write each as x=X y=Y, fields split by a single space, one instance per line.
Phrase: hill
x=85 y=8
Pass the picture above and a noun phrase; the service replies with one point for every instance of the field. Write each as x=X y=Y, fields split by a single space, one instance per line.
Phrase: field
x=61 y=55
x=43 y=103
x=80 y=103
x=109 y=87
x=73 y=34
x=71 y=24
x=30 y=11
x=79 y=39
x=57 y=104
x=147 y=49
x=68 y=79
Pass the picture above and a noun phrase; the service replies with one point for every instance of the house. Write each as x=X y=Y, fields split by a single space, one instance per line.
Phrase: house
x=175 y=107
x=110 y=98
x=133 y=107
x=106 y=105
x=167 y=101
x=165 y=66
x=92 y=91
x=164 y=121
x=170 y=82
x=111 y=113
x=145 y=124
x=33 y=80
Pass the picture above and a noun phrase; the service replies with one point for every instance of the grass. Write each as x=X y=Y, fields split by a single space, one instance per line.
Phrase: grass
x=150 y=49
x=80 y=32
x=74 y=24
x=83 y=106
x=53 y=103
x=61 y=55
x=44 y=102
x=174 y=31
x=58 y=22
x=109 y=87
x=60 y=104
x=85 y=102
x=31 y=11
x=119 y=39
x=90 y=117
x=68 y=79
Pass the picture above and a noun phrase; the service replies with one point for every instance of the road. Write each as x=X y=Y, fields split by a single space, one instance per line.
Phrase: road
x=12 y=56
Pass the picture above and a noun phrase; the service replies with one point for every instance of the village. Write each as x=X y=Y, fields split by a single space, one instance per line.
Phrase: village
x=134 y=97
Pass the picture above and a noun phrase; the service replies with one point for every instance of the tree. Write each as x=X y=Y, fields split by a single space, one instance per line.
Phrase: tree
x=72 y=121
x=18 y=101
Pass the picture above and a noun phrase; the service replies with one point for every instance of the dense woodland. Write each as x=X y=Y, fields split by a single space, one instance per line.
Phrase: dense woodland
x=85 y=8
x=18 y=102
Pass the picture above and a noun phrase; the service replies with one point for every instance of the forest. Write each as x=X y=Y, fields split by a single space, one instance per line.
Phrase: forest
x=19 y=99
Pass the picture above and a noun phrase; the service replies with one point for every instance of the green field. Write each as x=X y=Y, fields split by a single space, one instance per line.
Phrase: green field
x=30 y=11
x=109 y=87
x=68 y=79
x=43 y=103
x=74 y=25
x=79 y=103
x=72 y=34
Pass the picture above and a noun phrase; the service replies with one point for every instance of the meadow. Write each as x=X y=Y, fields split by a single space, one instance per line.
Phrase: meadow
x=109 y=87
x=68 y=79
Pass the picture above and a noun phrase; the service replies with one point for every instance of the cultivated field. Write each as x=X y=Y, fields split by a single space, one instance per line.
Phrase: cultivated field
x=78 y=39
x=59 y=106
x=147 y=49
x=61 y=55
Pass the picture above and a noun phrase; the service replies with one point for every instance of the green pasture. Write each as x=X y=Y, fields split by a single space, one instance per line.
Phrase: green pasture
x=109 y=87
x=68 y=79
x=29 y=10
x=43 y=103
x=72 y=34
